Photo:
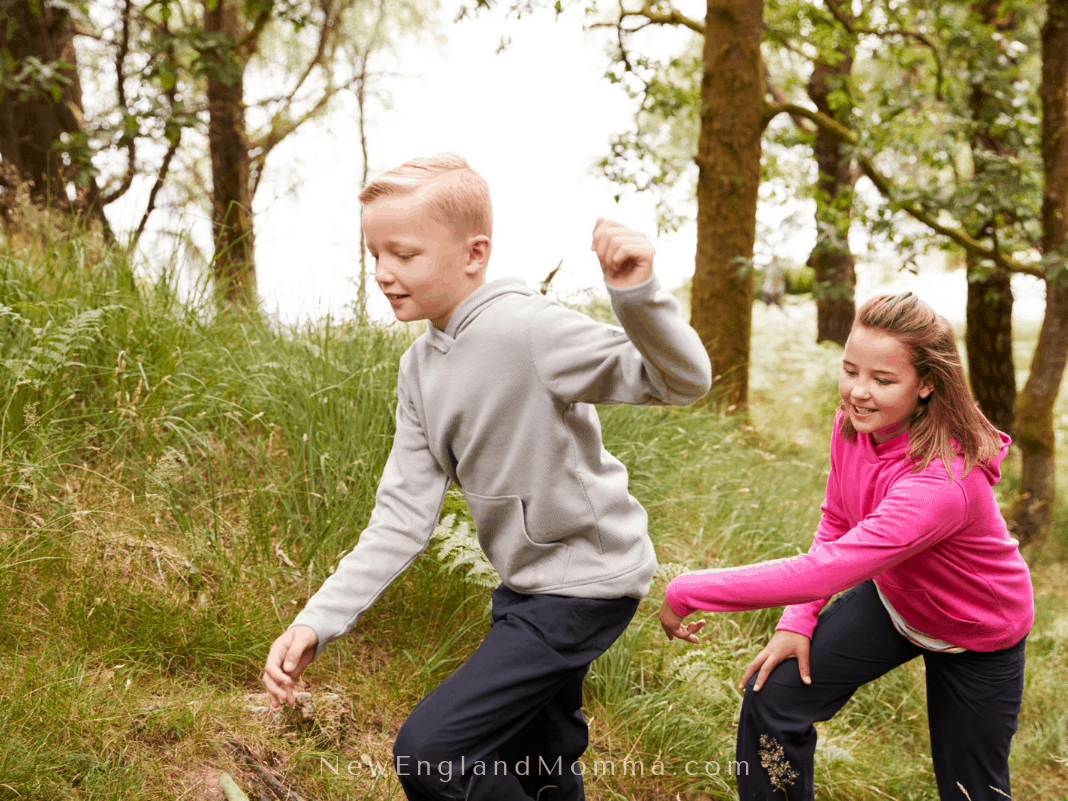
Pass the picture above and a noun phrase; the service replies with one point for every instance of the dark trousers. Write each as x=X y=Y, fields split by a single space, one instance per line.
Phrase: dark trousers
x=973 y=700
x=507 y=725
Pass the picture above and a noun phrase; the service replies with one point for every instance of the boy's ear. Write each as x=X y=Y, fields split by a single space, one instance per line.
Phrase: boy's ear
x=478 y=253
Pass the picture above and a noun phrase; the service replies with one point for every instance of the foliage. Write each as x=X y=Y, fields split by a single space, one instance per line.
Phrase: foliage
x=177 y=485
x=910 y=90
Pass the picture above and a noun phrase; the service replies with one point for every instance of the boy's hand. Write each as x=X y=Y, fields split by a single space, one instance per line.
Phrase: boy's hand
x=674 y=627
x=626 y=256
x=783 y=645
x=289 y=655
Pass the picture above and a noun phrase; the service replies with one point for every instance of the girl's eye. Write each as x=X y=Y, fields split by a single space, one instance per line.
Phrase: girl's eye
x=848 y=372
x=882 y=382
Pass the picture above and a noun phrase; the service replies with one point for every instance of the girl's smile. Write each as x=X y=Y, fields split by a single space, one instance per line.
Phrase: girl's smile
x=878 y=384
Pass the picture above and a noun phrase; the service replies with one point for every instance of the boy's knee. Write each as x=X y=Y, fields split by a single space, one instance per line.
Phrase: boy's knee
x=418 y=758
x=412 y=744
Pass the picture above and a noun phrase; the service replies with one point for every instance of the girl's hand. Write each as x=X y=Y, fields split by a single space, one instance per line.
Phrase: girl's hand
x=674 y=627
x=626 y=256
x=289 y=655
x=784 y=645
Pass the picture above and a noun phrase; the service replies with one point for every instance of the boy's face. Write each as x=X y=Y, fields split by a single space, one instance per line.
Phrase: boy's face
x=424 y=269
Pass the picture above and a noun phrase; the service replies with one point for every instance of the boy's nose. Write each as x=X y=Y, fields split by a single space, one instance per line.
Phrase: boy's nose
x=382 y=275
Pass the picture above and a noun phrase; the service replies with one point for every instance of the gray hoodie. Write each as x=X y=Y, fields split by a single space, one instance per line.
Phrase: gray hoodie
x=500 y=404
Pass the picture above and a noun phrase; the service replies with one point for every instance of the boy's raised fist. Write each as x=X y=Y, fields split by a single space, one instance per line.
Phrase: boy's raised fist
x=626 y=256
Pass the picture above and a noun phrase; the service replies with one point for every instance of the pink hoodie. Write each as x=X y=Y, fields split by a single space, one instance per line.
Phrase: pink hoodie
x=937 y=548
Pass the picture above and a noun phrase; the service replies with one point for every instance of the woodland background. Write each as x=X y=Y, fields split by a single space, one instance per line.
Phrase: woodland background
x=178 y=473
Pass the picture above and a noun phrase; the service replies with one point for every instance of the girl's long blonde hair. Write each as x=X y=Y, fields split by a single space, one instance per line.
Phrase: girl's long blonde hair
x=948 y=422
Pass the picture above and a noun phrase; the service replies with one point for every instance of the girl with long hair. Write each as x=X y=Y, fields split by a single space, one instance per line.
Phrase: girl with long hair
x=911 y=529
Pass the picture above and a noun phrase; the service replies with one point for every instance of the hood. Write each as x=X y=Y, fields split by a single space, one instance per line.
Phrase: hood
x=472 y=305
x=897 y=448
x=992 y=469
x=482 y=297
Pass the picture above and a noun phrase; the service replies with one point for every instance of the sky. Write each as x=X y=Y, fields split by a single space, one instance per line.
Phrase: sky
x=534 y=120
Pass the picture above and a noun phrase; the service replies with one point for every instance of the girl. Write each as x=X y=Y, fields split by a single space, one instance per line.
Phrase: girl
x=911 y=525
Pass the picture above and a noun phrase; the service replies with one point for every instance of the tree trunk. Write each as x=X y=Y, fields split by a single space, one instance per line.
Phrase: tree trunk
x=1033 y=510
x=728 y=160
x=36 y=113
x=234 y=265
x=988 y=342
x=835 y=267
x=988 y=326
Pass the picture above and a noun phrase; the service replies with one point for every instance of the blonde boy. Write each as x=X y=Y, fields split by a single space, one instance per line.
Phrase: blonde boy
x=496 y=396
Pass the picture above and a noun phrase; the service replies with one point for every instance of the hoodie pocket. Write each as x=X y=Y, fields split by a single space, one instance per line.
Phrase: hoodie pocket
x=524 y=565
x=921 y=610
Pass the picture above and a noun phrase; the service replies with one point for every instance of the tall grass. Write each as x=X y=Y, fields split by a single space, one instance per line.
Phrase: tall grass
x=175 y=483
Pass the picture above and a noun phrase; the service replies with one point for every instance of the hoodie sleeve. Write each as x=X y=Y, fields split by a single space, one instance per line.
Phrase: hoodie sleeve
x=801 y=618
x=654 y=359
x=917 y=513
x=407 y=507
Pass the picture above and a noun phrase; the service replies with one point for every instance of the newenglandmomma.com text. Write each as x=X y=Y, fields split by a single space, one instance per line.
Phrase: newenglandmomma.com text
x=606 y=767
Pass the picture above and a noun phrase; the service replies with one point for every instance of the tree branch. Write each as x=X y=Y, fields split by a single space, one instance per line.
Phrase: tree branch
x=849 y=23
x=673 y=17
x=126 y=139
x=161 y=176
x=801 y=122
x=251 y=40
x=886 y=188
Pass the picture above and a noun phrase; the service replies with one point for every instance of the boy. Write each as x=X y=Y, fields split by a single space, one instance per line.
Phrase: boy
x=495 y=396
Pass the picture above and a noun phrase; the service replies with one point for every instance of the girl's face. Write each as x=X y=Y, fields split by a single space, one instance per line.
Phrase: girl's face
x=878 y=384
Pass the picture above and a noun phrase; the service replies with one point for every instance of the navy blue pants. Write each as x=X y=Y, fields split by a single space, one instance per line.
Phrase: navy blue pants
x=507 y=725
x=973 y=700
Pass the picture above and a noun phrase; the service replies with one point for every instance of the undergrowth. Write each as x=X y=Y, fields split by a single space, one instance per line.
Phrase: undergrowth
x=175 y=482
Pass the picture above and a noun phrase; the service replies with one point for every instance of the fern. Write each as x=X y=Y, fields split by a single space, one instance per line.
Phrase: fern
x=457 y=548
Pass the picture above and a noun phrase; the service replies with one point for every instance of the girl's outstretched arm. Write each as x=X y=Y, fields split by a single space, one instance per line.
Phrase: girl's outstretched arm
x=674 y=627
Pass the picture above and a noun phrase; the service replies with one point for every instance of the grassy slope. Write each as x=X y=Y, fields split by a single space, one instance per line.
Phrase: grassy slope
x=174 y=489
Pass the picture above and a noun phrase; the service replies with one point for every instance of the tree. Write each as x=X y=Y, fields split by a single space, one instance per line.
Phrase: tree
x=1033 y=511
x=730 y=125
x=234 y=263
x=833 y=262
x=988 y=331
x=41 y=125
x=169 y=79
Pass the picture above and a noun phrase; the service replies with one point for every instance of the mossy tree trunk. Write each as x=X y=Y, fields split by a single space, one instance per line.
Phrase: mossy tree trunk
x=40 y=107
x=988 y=342
x=988 y=326
x=234 y=262
x=1033 y=510
x=832 y=260
x=728 y=160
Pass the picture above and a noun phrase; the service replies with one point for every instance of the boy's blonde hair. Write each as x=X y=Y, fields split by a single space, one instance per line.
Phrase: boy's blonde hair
x=948 y=421
x=457 y=196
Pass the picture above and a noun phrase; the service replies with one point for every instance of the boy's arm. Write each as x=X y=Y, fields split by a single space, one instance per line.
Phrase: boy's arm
x=656 y=358
x=407 y=507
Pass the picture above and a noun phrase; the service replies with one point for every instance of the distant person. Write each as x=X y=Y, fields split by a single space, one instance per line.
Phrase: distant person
x=496 y=396
x=910 y=523
x=774 y=283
